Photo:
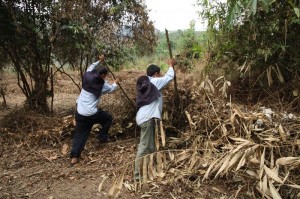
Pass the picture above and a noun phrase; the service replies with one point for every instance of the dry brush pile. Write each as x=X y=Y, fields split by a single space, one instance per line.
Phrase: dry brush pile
x=204 y=139
x=252 y=150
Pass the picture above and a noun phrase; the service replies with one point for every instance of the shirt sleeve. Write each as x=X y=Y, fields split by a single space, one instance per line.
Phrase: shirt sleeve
x=91 y=67
x=161 y=82
x=108 y=88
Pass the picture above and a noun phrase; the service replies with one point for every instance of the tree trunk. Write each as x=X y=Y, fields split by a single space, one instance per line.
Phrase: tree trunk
x=37 y=100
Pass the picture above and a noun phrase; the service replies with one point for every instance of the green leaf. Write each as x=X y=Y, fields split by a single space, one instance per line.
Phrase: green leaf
x=297 y=12
x=254 y=6
x=265 y=5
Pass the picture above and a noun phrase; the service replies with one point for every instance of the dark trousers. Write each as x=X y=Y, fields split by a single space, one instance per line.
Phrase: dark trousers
x=84 y=125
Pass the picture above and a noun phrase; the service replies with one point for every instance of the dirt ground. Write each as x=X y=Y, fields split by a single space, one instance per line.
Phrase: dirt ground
x=34 y=158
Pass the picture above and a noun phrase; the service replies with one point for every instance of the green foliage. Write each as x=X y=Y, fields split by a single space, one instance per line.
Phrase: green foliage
x=254 y=36
x=186 y=44
x=36 y=34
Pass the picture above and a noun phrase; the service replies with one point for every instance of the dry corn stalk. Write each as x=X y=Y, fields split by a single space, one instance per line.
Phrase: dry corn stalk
x=117 y=185
x=162 y=134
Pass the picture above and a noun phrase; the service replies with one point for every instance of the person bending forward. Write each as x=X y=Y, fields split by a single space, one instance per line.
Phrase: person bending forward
x=87 y=114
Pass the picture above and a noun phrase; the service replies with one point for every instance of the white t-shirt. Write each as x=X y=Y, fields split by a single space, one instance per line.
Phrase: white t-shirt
x=154 y=109
x=87 y=102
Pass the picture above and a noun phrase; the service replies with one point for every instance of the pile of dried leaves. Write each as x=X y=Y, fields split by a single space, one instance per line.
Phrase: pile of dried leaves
x=205 y=139
x=253 y=150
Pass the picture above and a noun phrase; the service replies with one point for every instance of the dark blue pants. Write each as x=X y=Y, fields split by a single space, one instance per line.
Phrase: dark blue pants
x=84 y=125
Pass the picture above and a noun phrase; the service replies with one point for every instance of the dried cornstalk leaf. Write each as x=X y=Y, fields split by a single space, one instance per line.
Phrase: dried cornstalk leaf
x=243 y=67
x=120 y=183
x=171 y=156
x=159 y=164
x=247 y=153
x=224 y=129
x=207 y=86
x=220 y=163
x=269 y=76
x=101 y=184
x=224 y=88
x=282 y=133
x=246 y=129
x=232 y=119
x=254 y=160
x=286 y=176
x=287 y=160
x=128 y=186
x=146 y=196
x=274 y=192
x=190 y=121
x=242 y=161
x=239 y=140
x=265 y=185
x=145 y=172
x=209 y=169
x=164 y=159
x=219 y=78
x=228 y=83
x=112 y=189
x=262 y=193
x=293 y=186
x=239 y=147
x=237 y=110
x=279 y=74
x=237 y=192
x=150 y=168
x=212 y=88
x=182 y=156
x=272 y=158
x=262 y=163
x=64 y=149
x=202 y=85
x=252 y=173
x=193 y=161
x=233 y=161
x=272 y=174
x=156 y=135
x=133 y=174
x=162 y=134
x=224 y=165
x=271 y=139
x=165 y=116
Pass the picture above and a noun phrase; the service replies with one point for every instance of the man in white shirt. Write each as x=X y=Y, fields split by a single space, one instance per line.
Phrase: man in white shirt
x=149 y=103
x=87 y=114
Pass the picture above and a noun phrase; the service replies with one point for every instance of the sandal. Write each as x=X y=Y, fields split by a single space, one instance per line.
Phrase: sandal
x=73 y=161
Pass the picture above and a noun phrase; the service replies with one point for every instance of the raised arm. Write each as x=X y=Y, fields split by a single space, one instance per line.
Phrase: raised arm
x=161 y=82
x=108 y=88
x=93 y=65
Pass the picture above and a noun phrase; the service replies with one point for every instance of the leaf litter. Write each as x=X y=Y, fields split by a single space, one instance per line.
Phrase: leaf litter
x=208 y=146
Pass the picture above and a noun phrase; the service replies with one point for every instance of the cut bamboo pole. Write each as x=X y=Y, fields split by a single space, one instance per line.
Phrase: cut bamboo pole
x=171 y=57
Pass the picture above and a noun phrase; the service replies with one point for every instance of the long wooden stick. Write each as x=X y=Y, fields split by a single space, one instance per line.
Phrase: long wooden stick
x=131 y=103
x=171 y=57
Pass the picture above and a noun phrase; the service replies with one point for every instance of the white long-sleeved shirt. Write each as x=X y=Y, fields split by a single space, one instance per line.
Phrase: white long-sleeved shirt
x=154 y=109
x=87 y=102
